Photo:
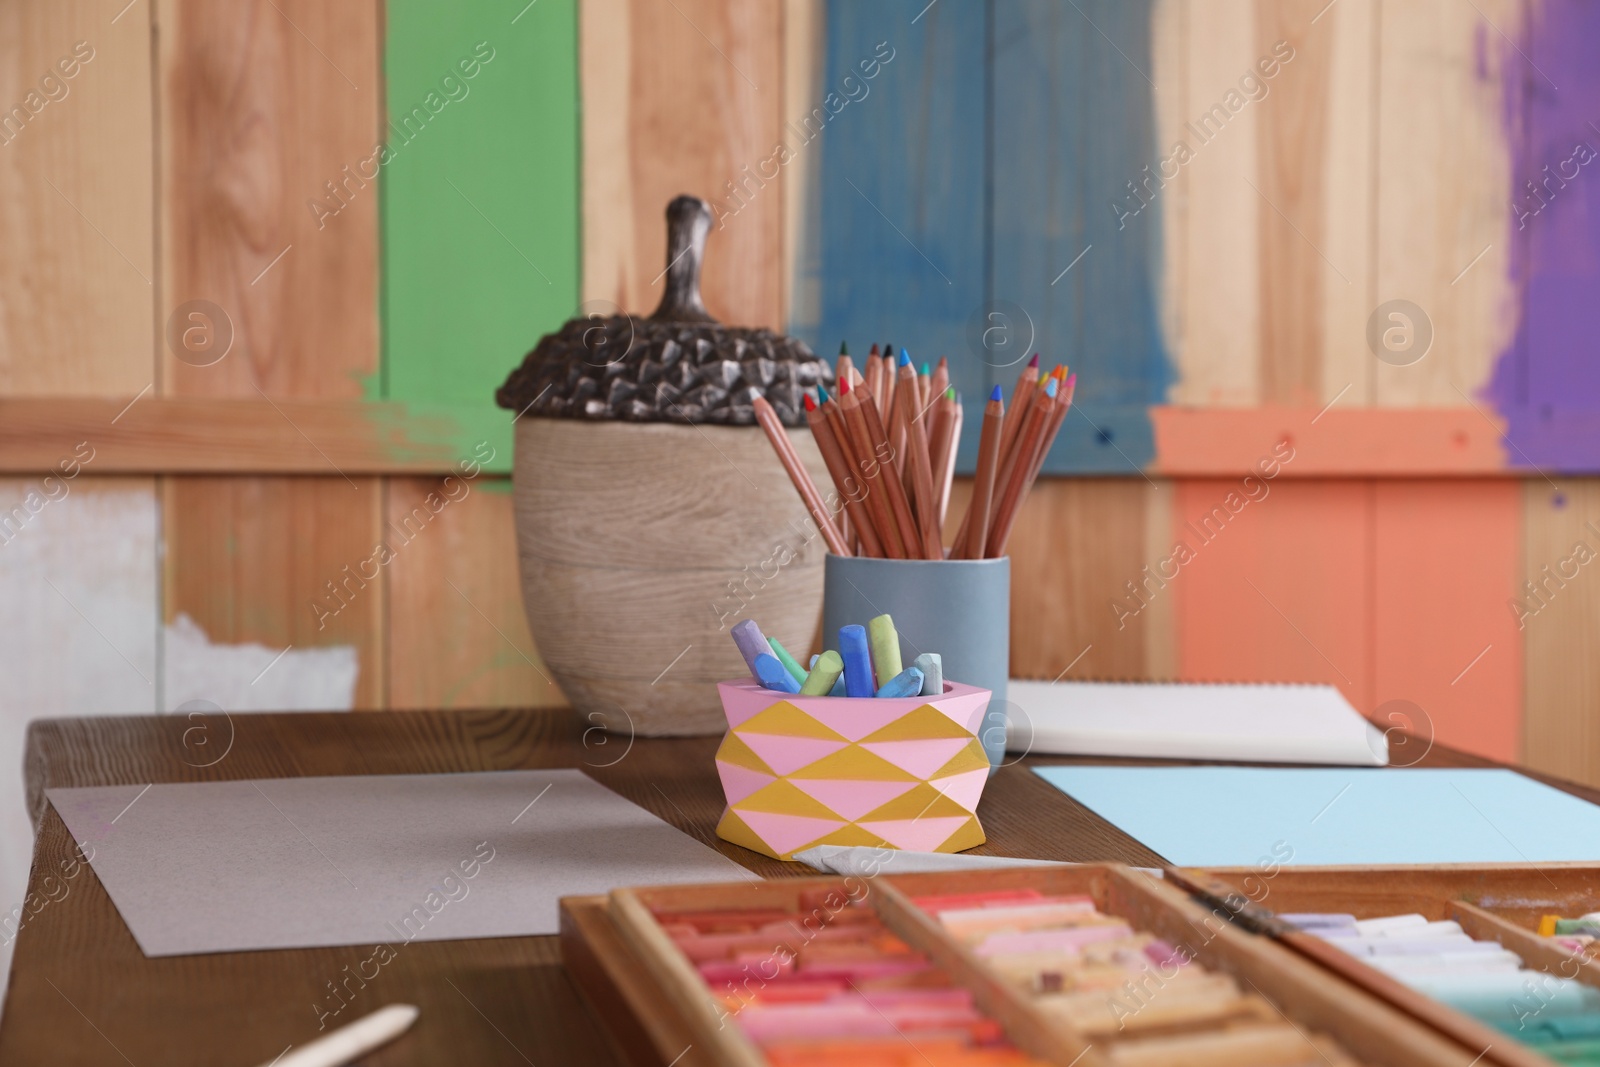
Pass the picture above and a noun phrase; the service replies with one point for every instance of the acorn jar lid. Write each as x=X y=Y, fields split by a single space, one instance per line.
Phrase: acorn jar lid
x=679 y=365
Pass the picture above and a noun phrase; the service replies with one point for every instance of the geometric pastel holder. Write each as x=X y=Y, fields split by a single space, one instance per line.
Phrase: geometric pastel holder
x=895 y=772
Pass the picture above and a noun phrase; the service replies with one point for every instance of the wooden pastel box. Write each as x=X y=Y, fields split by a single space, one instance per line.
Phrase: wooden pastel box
x=1491 y=902
x=651 y=997
x=897 y=772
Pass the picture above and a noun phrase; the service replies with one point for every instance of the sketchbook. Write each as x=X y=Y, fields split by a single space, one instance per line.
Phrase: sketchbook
x=1265 y=723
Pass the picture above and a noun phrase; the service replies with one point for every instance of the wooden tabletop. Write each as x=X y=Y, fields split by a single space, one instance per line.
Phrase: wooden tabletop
x=81 y=992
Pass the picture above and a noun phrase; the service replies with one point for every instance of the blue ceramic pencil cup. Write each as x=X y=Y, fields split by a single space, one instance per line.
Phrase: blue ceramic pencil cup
x=960 y=609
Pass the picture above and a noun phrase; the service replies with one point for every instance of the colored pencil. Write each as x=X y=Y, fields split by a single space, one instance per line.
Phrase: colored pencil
x=1021 y=398
x=845 y=366
x=799 y=476
x=941 y=377
x=1053 y=420
x=920 y=465
x=925 y=400
x=1012 y=477
x=899 y=504
x=941 y=446
x=870 y=466
x=958 y=415
x=873 y=378
x=886 y=384
x=845 y=481
x=981 y=508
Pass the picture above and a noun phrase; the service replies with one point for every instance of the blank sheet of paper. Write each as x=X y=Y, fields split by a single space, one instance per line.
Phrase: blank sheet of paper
x=299 y=862
x=1240 y=816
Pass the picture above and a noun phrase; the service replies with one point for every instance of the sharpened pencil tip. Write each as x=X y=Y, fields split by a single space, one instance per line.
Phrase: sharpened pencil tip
x=811 y=405
x=844 y=349
x=950 y=393
x=905 y=358
x=844 y=386
x=1034 y=362
x=926 y=370
x=1072 y=380
x=1050 y=390
x=996 y=393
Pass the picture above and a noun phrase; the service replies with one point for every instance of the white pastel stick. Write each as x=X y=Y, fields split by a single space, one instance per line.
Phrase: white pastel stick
x=353 y=1041
x=1368 y=927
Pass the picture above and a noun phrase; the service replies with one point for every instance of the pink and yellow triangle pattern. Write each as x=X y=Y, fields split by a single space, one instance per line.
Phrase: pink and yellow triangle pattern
x=802 y=771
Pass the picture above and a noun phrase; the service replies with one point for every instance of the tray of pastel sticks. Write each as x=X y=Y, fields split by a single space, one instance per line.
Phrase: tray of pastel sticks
x=1092 y=966
x=1498 y=957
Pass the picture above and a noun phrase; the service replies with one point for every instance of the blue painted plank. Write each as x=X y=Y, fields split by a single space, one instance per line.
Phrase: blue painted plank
x=1074 y=124
x=901 y=199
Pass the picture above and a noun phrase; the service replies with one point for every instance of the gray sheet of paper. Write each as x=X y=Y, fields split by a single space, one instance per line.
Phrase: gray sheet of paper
x=301 y=862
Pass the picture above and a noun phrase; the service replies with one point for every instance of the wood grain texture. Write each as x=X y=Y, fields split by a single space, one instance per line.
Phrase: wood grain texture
x=1292 y=188
x=683 y=98
x=1446 y=560
x=279 y=561
x=76 y=282
x=1559 y=617
x=1443 y=186
x=185 y=435
x=1218 y=290
x=187 y=1010
x=458 y=636
x=1077 y=545
x=261 y=104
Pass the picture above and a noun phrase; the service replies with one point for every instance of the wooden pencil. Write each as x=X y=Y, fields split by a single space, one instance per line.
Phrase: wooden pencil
x=1021 y=399
x=872 y=470
x=920 y=465
x=941 y=377
x=980 y=508
x=873 y=378
x=957 y=415
x=926 y=398
x=768 y=418
x=946 y=434
x=1057 y=414
x=845 y=367
x=845 y=481
x=890 y=463
x=886 y=384
x=1015 y=472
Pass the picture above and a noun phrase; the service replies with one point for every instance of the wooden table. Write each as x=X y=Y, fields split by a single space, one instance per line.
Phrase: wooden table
x=81 y=992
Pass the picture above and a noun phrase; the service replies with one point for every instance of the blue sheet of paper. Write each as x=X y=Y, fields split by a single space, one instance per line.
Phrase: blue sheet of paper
x=1242 y=816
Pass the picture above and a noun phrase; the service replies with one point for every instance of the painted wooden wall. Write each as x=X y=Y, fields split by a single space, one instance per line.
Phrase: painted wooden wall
x=385 y=205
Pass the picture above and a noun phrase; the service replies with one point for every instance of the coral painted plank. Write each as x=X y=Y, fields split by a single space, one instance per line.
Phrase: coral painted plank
x=1446 y=561
x=1074 y=246
x=902 y=193
x=1273 y=583
x=259 y=106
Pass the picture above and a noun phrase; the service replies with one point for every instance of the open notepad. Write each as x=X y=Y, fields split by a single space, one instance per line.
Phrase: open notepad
x=1270 y=723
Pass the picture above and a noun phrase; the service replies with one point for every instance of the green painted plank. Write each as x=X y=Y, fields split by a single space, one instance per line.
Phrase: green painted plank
x=480 y=197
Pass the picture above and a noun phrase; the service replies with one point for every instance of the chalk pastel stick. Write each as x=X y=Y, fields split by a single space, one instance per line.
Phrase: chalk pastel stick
x=857 y=661
x=931 y=664
x=796 y=671
x=824 y=673
x=774 y=675
x=885 y=648
x=838 y=689
x=752 y=643
x=908 y=683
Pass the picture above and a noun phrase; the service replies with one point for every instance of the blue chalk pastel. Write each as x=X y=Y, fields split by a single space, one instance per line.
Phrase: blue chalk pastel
x=908 y=683
x=857 y=661
x=752 y=643
x=931 y=664
x=774 y=675
x=838 y=689
x=814 y=657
